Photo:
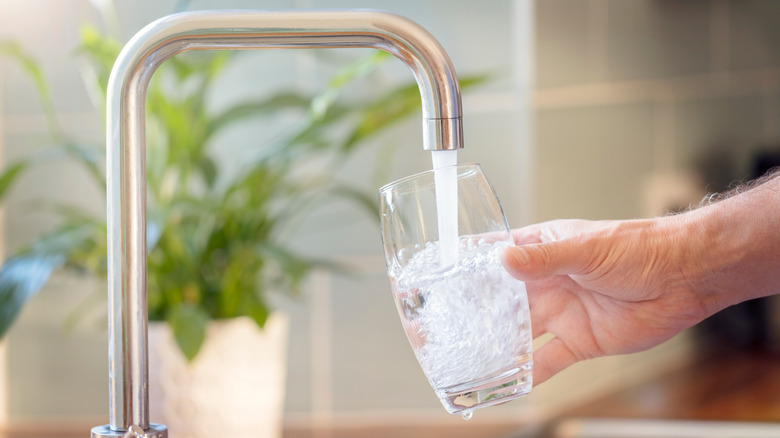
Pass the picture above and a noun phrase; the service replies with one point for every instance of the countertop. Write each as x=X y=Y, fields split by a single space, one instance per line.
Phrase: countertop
x=710 y=397
x=715 y=392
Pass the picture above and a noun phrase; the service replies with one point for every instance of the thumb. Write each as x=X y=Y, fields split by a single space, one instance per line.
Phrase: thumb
x=542 y=260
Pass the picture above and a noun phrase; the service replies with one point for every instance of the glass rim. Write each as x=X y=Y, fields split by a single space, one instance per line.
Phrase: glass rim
x=390 y=185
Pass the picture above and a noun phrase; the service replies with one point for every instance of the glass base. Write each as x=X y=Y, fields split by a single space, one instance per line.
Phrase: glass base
x=499 y=388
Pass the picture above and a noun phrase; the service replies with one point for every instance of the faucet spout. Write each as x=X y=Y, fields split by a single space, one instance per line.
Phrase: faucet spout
x=126 y=151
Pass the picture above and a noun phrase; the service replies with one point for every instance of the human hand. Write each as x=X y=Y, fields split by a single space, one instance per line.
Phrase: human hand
x=616 y=287
x=608 y=287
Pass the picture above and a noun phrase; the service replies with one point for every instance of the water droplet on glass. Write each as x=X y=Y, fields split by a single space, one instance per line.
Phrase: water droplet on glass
x=467 y=415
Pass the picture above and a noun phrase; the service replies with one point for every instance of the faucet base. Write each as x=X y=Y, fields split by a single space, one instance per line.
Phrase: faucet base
x=154 y=431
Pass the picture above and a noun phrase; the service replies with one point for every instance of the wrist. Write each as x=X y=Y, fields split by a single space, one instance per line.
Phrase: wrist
x=733 y=247
x=710 y=254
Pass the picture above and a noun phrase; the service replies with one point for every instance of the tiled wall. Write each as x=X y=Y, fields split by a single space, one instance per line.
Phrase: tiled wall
x=630 y=91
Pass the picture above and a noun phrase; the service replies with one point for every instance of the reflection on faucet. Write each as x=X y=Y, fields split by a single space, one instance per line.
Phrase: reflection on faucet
x=126 y=155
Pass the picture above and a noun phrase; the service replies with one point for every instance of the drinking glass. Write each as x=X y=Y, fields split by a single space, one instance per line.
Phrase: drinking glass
x=467 y=319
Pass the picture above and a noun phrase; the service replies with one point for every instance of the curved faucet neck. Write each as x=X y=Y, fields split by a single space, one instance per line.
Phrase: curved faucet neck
x=126 y=156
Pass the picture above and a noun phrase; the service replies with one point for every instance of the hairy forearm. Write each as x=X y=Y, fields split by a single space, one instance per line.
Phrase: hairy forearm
x=734 y=252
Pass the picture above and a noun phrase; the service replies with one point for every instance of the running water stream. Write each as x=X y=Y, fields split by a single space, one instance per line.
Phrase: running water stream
x=446 y=182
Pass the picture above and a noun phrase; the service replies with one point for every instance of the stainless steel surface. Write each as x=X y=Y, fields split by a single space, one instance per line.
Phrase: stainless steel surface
x=227 y=30
x=153 y=431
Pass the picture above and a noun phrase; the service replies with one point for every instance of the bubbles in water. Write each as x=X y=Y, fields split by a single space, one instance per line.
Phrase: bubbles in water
x=467 y=415
x=465 y=323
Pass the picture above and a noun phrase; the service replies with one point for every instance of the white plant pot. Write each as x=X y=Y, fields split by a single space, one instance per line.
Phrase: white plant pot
x=233 y=388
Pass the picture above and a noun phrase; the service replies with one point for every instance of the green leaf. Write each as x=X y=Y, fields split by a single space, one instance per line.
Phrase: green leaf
x=94 y=301
x=8 y=177
x=74 y=216
x=188 y=323
x=209 y=171
x=365 y=201
x=360 y=69
x=22 y=276
x=102 y=52
x=245 y=110
x=20 y=279
x=393 y=107
x=467 y=82
x=90 y=158
x=14 y=51
x=196 y=71
x=259 y=313
x=384 y=112
x=294 y=267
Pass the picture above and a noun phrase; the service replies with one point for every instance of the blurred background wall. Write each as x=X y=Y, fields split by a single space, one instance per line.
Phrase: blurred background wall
x=634 y=96
x=643 y=107
x=597 y=109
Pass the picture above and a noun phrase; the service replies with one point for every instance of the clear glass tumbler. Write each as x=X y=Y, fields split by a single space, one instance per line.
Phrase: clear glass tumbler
x=466 y=319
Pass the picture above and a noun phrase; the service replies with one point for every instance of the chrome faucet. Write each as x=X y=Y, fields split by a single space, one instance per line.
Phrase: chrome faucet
x=126 y=151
